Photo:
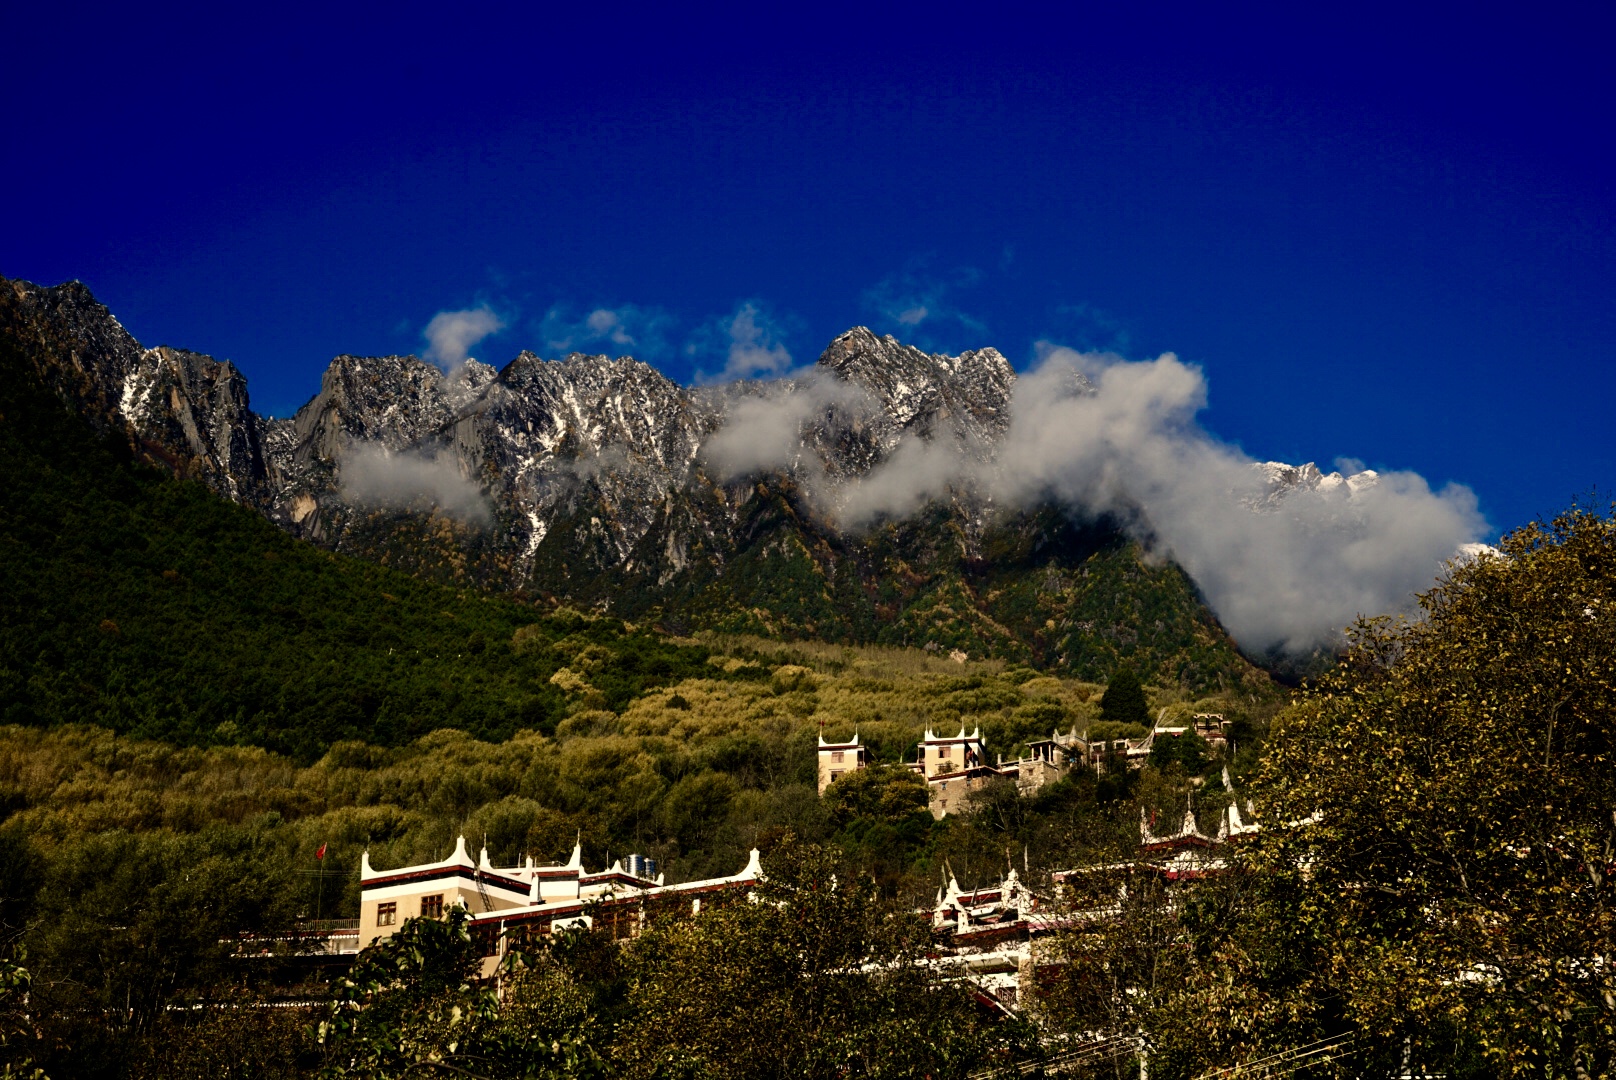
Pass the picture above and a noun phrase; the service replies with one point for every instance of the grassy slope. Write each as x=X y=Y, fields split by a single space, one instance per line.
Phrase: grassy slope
x=1070 y=598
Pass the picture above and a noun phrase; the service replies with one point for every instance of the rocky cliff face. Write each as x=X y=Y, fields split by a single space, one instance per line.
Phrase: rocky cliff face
x=964 y=398
x=392 y=403
x=556 y=436
x=184 y=410
x=592 y=480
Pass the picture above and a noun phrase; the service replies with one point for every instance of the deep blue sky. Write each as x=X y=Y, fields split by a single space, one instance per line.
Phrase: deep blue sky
x=1384 y=235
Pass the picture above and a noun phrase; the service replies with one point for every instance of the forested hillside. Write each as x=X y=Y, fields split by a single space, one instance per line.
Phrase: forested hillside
x=132 y=864
x=149 y=605
x=598 y=483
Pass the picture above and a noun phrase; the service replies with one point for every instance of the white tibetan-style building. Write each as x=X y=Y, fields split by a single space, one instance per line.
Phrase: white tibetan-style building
x=524 y=899
x=838 y=759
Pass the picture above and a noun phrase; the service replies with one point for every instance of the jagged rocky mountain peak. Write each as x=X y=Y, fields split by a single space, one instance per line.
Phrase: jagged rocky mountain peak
x=965 y=397
x=390 y=398
x=892 y=369
x=185 y=410
x=586 y=478
x=1280 y=480
x=600 y=401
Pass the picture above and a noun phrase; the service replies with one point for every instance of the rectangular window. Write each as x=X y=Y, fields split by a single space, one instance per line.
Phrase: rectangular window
x=387 y=914
x=432 y=907
x=836 y=756
x=834 y=773
x=946 y=751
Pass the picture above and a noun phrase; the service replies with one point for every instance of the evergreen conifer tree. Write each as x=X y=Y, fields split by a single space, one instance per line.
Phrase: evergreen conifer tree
x=1124 y=698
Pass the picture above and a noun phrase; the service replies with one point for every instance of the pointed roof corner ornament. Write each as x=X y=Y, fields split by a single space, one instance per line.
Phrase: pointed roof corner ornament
x=460 y=857
x=577 y=860
x=1146 y=836
x=364 y=866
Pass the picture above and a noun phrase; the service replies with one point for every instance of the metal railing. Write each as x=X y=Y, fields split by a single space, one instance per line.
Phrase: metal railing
x=1287 y=1062
x=1282 y=1063
x=1078 y=1057
x=314 y=937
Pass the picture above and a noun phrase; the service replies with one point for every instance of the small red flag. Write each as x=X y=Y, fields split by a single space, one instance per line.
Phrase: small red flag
x=321 y=853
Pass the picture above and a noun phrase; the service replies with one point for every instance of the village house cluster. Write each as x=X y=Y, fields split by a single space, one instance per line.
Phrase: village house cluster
x=991 y=934
x=995 y=936
x=955 y=767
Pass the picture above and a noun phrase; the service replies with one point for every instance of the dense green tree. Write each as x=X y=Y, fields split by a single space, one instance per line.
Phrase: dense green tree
x=1438 y=860
x=1119 y=962
x=1124 y=698
x=813 y=976
x=20 y=1037
x=239 y=1035
x=138 y=923
x=22 y=873
x=1188 y=751
x=890 y=794
x=881 y=819
x=414 y=1005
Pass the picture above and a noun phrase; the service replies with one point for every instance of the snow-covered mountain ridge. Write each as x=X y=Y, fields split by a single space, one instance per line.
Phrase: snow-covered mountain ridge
x=530 y=438
x=862 y=498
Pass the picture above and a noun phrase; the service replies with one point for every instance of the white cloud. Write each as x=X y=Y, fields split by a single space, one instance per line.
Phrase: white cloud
x=754 y=345
x=451 y=334
x=914 y=297
x=764 y=424
x=750 y=341
x=916 y=471
x=1123 y=440
x=1287 y=573
x=371 y=475
x=609 y=325
x=625 y=328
